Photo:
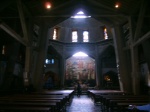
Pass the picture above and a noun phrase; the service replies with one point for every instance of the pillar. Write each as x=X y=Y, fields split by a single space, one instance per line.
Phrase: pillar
x=121 y=60
x=41 y=52
x=97 y=67
x=134 y=59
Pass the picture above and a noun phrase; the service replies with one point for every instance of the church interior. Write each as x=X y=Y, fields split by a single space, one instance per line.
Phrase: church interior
x=51 y=45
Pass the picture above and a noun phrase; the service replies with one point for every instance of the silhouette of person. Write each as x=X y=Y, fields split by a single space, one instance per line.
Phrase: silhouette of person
x=78 y=89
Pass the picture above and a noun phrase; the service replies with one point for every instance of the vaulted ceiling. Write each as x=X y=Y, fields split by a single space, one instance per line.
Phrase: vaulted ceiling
x=13 y=12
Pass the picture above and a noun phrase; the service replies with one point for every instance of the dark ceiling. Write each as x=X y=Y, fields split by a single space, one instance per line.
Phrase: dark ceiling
x=102 y=10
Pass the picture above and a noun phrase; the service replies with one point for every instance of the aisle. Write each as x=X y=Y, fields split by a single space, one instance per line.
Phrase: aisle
x=83 y=104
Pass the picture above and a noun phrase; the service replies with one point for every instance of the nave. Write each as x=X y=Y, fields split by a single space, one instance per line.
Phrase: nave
x=68 y=101
x=84 y=103
x=109 y=101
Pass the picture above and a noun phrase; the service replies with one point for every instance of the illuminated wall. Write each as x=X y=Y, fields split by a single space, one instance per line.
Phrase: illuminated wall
x=80 y=68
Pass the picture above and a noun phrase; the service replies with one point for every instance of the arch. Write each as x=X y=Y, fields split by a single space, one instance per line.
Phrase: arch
x=77 y=51
x=80 y=68
x=52 y=50
x=108 y=51
x=110 y=80
x=51 y=80
x=54 y=59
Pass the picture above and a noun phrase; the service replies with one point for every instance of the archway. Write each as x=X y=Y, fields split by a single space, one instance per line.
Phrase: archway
x=51 y=80
x=110 y=80
x=80 y=68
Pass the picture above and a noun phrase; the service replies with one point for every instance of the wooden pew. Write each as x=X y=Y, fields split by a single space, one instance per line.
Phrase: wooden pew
x=95 y=94
x=63 y=98
x=123 y=107
x=110 y=102
x=107 y=98
x=56 y=100
x=28 y=99
x=25 y=109
x=116 y=105
x=14 y=105
x=68 y=93
x=55 y=105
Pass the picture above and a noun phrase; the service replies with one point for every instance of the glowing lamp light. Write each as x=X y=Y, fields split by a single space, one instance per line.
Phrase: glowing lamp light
x=105 y=30
x=117 y=5
x=48 y=5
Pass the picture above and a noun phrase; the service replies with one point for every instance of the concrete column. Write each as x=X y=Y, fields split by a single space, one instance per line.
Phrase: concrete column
x=28 y=33
x=146 y=46
x=100 y=72
x=122 y=61
x=42 y=51
x=97 y=67
x=134 y=59
x=135 y=71
x=80 y=35
x=26 y=73
x=63 y=68
x=12 y=53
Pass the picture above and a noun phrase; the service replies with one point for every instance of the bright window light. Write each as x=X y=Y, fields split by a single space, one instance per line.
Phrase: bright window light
x=55 y=34
x=80 y=14
x=74 y=36
x=85 y=36
x=80 y=54
x=105 y=34
x=46 y=61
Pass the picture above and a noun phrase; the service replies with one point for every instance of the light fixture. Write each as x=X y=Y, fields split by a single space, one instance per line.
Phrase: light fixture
x=47 y=5
x=117 y=5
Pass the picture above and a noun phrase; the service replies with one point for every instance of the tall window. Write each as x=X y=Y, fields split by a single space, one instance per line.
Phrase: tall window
x=55 y=34
x=85 y=36
x=105 y=33
x=3 y=49
x=74 y=36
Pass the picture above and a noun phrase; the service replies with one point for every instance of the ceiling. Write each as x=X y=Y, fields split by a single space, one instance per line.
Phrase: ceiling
x=102 y=10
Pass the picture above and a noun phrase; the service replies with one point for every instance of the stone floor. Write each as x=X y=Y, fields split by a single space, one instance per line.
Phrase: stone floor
x=83 y=104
